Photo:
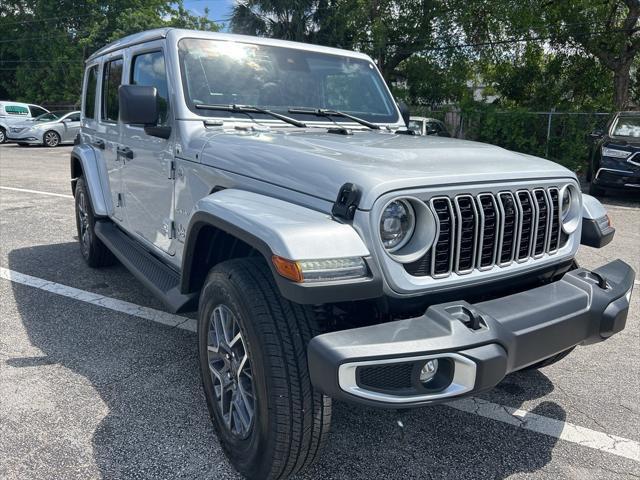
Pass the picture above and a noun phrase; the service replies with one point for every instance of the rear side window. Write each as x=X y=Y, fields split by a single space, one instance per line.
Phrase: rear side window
x=111 y=80
x=16 y=110
x=148 y=70
x=74 y=117
x=90 y=94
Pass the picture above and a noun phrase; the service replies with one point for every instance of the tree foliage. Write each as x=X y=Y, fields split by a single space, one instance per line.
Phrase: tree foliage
x=43 y=45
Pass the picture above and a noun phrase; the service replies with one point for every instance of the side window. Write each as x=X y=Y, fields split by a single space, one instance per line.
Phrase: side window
x=148 y=69
x=74 y=117
x=16 y=110
x=36 y=111
x=111 y=80
x=90 y=94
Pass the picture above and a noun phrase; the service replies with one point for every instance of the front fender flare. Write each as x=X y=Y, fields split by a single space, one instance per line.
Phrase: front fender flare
x=276 y=227
x=95 y=176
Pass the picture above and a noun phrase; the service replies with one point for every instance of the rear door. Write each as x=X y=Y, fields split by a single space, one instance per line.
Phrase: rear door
x=106 y=136
x=147 y=172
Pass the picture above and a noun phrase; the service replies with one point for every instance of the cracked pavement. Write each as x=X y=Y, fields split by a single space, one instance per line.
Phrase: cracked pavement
x=89 y=392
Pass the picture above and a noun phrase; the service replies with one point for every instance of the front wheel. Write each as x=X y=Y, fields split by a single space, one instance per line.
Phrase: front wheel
x=94 y=252
x=3 y=135
x=51 y=139
x=252 y=347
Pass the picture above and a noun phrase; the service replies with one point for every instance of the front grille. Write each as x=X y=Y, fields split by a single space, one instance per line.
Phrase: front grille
x=485 y=230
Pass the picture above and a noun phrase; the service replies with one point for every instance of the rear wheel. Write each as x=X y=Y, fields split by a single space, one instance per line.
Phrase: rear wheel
x=51 y=139
x=252 y=344
x=94 y=252
x=3 y=135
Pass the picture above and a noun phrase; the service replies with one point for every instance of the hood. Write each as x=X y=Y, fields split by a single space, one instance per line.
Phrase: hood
x=319 y=163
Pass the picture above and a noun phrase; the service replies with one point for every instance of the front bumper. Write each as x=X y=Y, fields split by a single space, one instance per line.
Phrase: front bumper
x=30 y=137
x=475 y=345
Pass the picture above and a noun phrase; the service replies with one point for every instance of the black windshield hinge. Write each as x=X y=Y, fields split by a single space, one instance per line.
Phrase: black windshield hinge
x=347 y=202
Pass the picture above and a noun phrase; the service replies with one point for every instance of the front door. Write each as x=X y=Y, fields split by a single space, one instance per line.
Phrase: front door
x=71 y=127
x=147 y=172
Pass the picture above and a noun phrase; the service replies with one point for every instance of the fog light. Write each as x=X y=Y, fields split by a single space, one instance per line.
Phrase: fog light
x=428 y=371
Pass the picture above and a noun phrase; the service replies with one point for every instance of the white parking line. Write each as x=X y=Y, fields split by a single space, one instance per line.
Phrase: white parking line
x=100 y=300
x=568 y=432
x=39 y=192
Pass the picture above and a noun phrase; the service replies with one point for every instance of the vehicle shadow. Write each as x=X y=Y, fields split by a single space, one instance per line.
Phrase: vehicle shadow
x=130 y=388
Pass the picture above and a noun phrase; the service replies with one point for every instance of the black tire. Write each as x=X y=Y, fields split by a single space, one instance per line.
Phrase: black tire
x=51 y=138
x=291 y=419
x=94 y=252
x=3 y=135
x=549 y=361
x=596 y=191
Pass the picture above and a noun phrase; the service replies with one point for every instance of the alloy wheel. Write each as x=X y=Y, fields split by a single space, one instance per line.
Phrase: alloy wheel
x=51 y=139
x=83 y=221
x=230 y=368
x=3 y=137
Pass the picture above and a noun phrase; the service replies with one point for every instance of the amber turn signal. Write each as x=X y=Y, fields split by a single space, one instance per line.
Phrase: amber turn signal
x=288 y=269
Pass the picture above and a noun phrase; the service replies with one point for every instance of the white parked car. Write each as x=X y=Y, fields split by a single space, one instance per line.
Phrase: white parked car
x=50 y=129
x=16 y=112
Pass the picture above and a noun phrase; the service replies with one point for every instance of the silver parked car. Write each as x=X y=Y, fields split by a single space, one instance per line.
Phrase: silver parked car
x=16 y=112
x=274 y=187
x=50 y=129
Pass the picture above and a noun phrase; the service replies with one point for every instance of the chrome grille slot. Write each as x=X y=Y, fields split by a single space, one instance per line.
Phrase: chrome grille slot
x=442 y=253
x=467 y=235
x=509 y=226
x=488 y=230
x=554 y=234
x=489 y=220
x=528 y=224
x=542 y=229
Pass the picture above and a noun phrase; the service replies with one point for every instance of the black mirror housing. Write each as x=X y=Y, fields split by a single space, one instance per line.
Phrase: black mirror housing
x=138 y=105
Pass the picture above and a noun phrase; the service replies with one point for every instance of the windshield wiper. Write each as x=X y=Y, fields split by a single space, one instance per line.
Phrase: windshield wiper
x=251 y=109
x=324 y=112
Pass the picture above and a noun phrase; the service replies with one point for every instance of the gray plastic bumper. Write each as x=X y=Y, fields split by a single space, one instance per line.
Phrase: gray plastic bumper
x=476 y=345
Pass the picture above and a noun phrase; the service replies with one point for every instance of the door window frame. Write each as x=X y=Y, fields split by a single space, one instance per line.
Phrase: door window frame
x=105 y=62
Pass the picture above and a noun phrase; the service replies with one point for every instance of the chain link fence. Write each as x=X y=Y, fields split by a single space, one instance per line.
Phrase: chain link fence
x=558 y=136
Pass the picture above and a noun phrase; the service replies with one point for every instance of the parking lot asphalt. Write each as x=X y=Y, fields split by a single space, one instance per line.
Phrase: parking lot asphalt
x=92 y=387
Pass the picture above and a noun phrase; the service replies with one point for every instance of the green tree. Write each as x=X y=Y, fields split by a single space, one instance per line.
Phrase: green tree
x=43 y=45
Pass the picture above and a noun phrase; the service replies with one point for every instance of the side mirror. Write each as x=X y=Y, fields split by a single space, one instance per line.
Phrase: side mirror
x=138 y=105
x=404 y=111
x=596 y=134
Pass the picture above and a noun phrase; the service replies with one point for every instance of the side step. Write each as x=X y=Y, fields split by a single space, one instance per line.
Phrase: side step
x=163 y=281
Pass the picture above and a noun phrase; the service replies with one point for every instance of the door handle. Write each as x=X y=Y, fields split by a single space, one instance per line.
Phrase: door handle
x=125 y=152
x=99 y=144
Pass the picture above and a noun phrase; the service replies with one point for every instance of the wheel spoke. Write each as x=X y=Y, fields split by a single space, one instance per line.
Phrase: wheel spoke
x=230 y=367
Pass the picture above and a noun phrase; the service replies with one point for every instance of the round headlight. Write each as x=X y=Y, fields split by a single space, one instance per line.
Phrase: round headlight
x=570 y=208
x=397 y=224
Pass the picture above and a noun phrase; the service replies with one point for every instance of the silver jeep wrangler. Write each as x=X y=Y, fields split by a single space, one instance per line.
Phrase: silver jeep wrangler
x=274 y=187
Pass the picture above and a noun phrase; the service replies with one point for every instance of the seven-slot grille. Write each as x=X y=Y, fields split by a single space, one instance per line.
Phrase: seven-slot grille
x=482 y=231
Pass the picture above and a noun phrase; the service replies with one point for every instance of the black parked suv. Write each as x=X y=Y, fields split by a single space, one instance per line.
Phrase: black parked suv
x=614 y=158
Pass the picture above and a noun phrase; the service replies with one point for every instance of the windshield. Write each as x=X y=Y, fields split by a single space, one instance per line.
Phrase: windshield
x=276 y=78
x=627 y=127
x=47 y=117
x=416 y=125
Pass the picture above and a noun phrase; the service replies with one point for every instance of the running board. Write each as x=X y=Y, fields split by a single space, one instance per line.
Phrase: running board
x=163 y=281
